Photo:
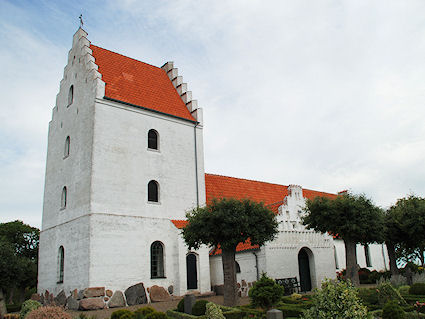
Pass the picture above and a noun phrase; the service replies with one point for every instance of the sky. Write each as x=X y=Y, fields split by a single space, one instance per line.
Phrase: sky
x=329 y=95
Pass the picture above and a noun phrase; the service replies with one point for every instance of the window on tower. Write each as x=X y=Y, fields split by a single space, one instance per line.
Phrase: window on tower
x=153 y=139
x=157 y=260
x=61 y=264
x=67 y=144
x=63 y=198
x=153 y=191
x=71 y=95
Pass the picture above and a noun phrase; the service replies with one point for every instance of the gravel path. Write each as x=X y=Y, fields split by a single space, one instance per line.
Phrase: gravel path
x=159 y=306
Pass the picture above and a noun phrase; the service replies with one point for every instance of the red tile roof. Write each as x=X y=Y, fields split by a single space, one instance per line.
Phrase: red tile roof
x=240 y=247
x=179 y=223
x=139 y=84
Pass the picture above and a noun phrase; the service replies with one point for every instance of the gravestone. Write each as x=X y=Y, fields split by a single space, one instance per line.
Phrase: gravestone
x=189 y=301
x=274 y=314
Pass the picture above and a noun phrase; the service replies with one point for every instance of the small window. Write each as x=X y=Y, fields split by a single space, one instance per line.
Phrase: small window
x=237 y=268
x=153 y=191
x=71 y=95
x=61 y=264
x=67 y=144
x=157 y=260
x=153 y=139
x=367 y=255
x=63 y=197
x=336 y=258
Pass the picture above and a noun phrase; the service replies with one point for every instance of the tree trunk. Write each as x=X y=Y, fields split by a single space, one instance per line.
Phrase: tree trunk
x=21 y=294
x=3 y=309
x=230 y=293
x=393 y=259
x=421 y=256
x=11 y=295
x=351 y=262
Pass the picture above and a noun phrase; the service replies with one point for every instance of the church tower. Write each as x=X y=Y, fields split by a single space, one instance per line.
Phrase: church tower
x=124 y=165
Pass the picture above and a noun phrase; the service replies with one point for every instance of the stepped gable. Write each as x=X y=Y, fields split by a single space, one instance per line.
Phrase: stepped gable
x=139 y=84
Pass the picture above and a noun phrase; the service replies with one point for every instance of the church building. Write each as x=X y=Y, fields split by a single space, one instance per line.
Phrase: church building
x=125 y=162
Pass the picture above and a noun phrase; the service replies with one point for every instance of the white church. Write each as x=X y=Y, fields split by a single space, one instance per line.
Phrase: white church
x=125 y=163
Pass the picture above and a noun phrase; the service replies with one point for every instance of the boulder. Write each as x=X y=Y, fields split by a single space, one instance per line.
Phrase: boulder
x=60 y=299
x=117 y=300
x=80 y=295
x=109 y=293
x=91 y=304
x=72 y=303
x=94 y=292
x=157 y=294
x=136 y=295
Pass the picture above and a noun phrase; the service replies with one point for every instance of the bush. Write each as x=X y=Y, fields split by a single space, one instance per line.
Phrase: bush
x=119 y=313
x=392 y=310
x=27 y=307
x=180 y=306
x=143 y=312
x=368 y=296
x=293 y=310
x=199 y=308
x=336 y=300
x=417 y=289
x=364 y=276
x=13 y=307
x=156 y=315
x=387 y=292
x=213 y=311
x=404 y=290
x=48 y=313
x=265 y=293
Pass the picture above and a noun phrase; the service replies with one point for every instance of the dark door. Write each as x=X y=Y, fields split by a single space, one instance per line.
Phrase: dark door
x=304 y=267
x=192 y=274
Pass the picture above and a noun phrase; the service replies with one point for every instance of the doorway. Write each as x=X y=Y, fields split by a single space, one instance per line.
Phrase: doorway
x=191 y=271
x=304 y=270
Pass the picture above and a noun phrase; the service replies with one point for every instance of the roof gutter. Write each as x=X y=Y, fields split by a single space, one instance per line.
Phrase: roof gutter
x=151 y=110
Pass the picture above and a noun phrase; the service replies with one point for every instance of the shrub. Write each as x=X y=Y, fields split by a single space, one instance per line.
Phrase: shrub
x=296 y=296
x=199 y=308
x=392 y=310
x=48 y=313
x=27 y=307
x=364 y=276
x=417 y=289
x=336 y=300
x=143 y=312
x=119 y=313
x=368 y=296
x=265 y=292
x=404 y=290
x=156 y=315
x=387 y=292
x=213 y=311
x=180 y=306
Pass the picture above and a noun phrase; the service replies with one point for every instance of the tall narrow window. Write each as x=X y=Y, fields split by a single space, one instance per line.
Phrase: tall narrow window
x=367 y=255
x=63 y=197
x=71 y=95
x=67 y=144
x=237 y=267
x=153 y=139
x=336 y=258
x=157 y=260
x=153 y=191
x=61 y=264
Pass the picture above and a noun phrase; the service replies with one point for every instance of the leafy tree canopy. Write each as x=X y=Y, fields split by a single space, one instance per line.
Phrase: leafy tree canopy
x=23 y=237
x=228 y=222
x=351 y=217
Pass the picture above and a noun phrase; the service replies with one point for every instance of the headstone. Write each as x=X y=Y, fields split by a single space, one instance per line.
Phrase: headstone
x=109 y=293
x=117 y=300
x=136 y=295
x=60 y=299
x=171 y=289
x=219 y=290
x=274 y=314
x=72 y=303
x=189 y=301
x=74 y=293
x=94 y=292
x=91 y=304
x=244 y=283
x=80 y=295
x=157 y=294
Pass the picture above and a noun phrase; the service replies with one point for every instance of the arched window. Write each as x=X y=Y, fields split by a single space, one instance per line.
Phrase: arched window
x=157 y=260
x=367 y=255
x=61 y=264
x=63 y=197
x=67 y=144
x=71 y=95
x=153 y=191
x=237 y=268
x=153 y=139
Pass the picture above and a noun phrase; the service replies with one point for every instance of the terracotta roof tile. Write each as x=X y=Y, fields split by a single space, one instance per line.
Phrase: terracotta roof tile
x=240 y=247
x=138 y=83
x=179 y=223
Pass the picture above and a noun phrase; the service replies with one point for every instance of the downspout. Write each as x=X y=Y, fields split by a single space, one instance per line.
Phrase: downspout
x=256 y=266
x=196 y=165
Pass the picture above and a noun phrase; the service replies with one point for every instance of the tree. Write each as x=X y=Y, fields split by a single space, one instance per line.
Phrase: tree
x=393 y=236
x=410 y=213
x=225 y=223
x=352 y=217
x=19 y=246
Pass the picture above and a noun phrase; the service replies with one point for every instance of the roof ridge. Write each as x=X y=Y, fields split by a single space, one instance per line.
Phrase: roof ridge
x=157 y=67
x=246 y=179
